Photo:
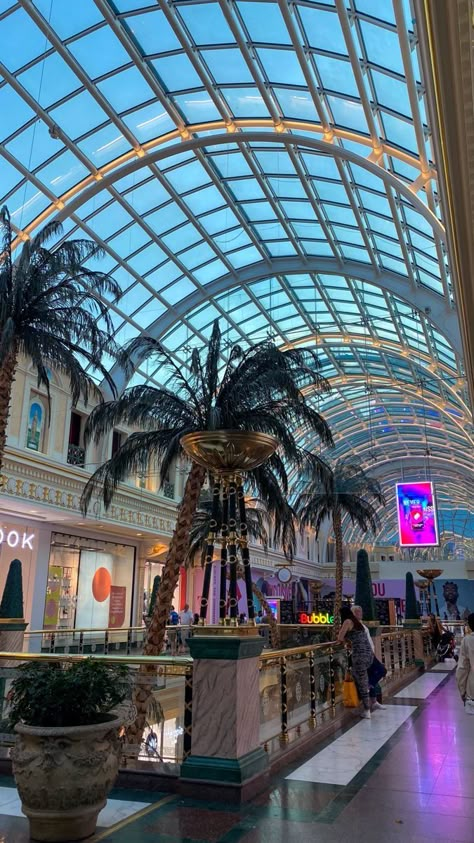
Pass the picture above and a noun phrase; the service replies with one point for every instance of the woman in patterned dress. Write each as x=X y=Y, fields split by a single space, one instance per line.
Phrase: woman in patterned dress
x=352 y=632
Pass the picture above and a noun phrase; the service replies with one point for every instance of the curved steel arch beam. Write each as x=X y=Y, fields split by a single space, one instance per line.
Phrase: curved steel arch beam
x=441 y=314
x=161 y=148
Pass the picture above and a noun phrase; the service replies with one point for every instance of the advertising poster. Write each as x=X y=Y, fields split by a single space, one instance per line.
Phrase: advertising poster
x=416 y=508
x=35 y=425
x=51 y=608
x=455 y=599
x=117 y=604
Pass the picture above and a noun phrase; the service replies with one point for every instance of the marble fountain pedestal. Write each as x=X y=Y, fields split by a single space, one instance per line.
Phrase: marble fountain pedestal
x=226 y=754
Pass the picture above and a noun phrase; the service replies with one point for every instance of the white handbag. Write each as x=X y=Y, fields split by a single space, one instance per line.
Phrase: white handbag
x=469 y=706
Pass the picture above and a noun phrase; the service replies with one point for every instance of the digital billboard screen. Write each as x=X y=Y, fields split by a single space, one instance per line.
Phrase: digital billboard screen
x=417 y=520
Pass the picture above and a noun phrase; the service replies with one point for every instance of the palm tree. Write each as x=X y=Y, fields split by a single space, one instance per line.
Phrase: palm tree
x=51 y=310
x=350 y=492
x=258 y=389
x=256 y=529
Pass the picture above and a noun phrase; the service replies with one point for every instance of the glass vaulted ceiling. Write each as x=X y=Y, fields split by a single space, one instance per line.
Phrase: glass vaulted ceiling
x=267 y=163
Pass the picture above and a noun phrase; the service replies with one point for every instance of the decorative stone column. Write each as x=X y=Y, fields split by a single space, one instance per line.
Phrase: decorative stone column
x=226 y=710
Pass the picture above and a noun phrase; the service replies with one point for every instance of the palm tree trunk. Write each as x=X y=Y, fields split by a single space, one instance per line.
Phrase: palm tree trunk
x=157 y=629
x=337 y=527
x=274 y=631
x=7 y=377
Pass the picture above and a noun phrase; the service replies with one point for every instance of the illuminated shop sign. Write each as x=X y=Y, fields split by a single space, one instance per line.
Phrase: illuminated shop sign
x=14 y=538
x=316 y=618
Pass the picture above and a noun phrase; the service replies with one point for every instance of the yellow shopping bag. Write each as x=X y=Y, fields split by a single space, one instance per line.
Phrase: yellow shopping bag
x=350 y=696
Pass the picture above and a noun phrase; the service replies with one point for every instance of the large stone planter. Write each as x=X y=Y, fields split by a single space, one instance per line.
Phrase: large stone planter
x=64 y=775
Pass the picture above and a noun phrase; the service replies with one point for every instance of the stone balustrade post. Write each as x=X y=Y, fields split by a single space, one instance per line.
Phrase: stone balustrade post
x=226 y=711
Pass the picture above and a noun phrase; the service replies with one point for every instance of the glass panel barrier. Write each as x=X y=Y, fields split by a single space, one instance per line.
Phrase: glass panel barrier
x=167 y=737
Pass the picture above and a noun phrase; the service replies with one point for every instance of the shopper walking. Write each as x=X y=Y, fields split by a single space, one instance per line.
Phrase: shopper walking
x=465 y=668
x=353 y=633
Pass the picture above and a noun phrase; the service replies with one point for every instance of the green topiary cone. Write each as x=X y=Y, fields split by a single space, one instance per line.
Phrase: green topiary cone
x=411 y=609
x=12 y=600
x=364 y=595
x=154 y=593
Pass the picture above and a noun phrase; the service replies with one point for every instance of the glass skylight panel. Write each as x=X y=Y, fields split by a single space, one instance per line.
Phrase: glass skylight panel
x=70 y=18
x=178 y=291
x=223 y=223
x=206 y=23
x=165 y=218
x=79 y=115
x=49 y=80
x=347 y=114
x=281 y=66
x=99 y=52
x=34 y=145
x=63 y=172
x=400 y=132
x=204 y=200
x=227 y=66
x=197 y=107
x=287 y=187
x=209 y=272
x=18 y=50
x=323 y=30
x=337 y=75
x=26 y=203
x=182 y=237
x=126 y=89
x=176 y=72
x=245 y=102
x=197 y=256
x=264 y=22
x=245 y=256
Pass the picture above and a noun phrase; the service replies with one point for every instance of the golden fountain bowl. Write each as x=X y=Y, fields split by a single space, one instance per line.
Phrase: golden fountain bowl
x=421 y=584
x=430 y=573
x=226 y=451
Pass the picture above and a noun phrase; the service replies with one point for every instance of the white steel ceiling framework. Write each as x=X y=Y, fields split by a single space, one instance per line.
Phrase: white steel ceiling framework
x=269 y=163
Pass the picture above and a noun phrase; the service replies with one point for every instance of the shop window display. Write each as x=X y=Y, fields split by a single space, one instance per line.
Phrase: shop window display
x=90 y=584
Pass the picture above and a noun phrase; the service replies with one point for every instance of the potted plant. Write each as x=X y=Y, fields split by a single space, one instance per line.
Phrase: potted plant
x=67 y=752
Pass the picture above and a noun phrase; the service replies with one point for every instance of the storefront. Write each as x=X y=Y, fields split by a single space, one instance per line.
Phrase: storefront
x=90 y=584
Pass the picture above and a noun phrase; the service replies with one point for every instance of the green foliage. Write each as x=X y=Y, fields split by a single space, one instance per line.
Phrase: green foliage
x=54 y=307
x=259 y=388
x=12 y=600
x=364 y=595
x=411 y=609
x=154 y=594
x=348 y=491
x=78 y=694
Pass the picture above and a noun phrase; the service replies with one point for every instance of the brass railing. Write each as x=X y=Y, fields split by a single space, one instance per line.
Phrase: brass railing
x=167 y=737
x=301 y=687
x=128 y=640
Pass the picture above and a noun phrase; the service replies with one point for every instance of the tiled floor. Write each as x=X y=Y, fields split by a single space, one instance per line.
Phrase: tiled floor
x=408 y=778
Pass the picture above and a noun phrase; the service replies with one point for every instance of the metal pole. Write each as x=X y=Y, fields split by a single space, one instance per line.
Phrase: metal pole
x=283 y=702
x=213 y=529
x=244 y=549
x=225 y=535
x=233 y=603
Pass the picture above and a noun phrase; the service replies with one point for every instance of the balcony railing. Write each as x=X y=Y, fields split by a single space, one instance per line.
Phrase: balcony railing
x=168 y=490
x=76 y=455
